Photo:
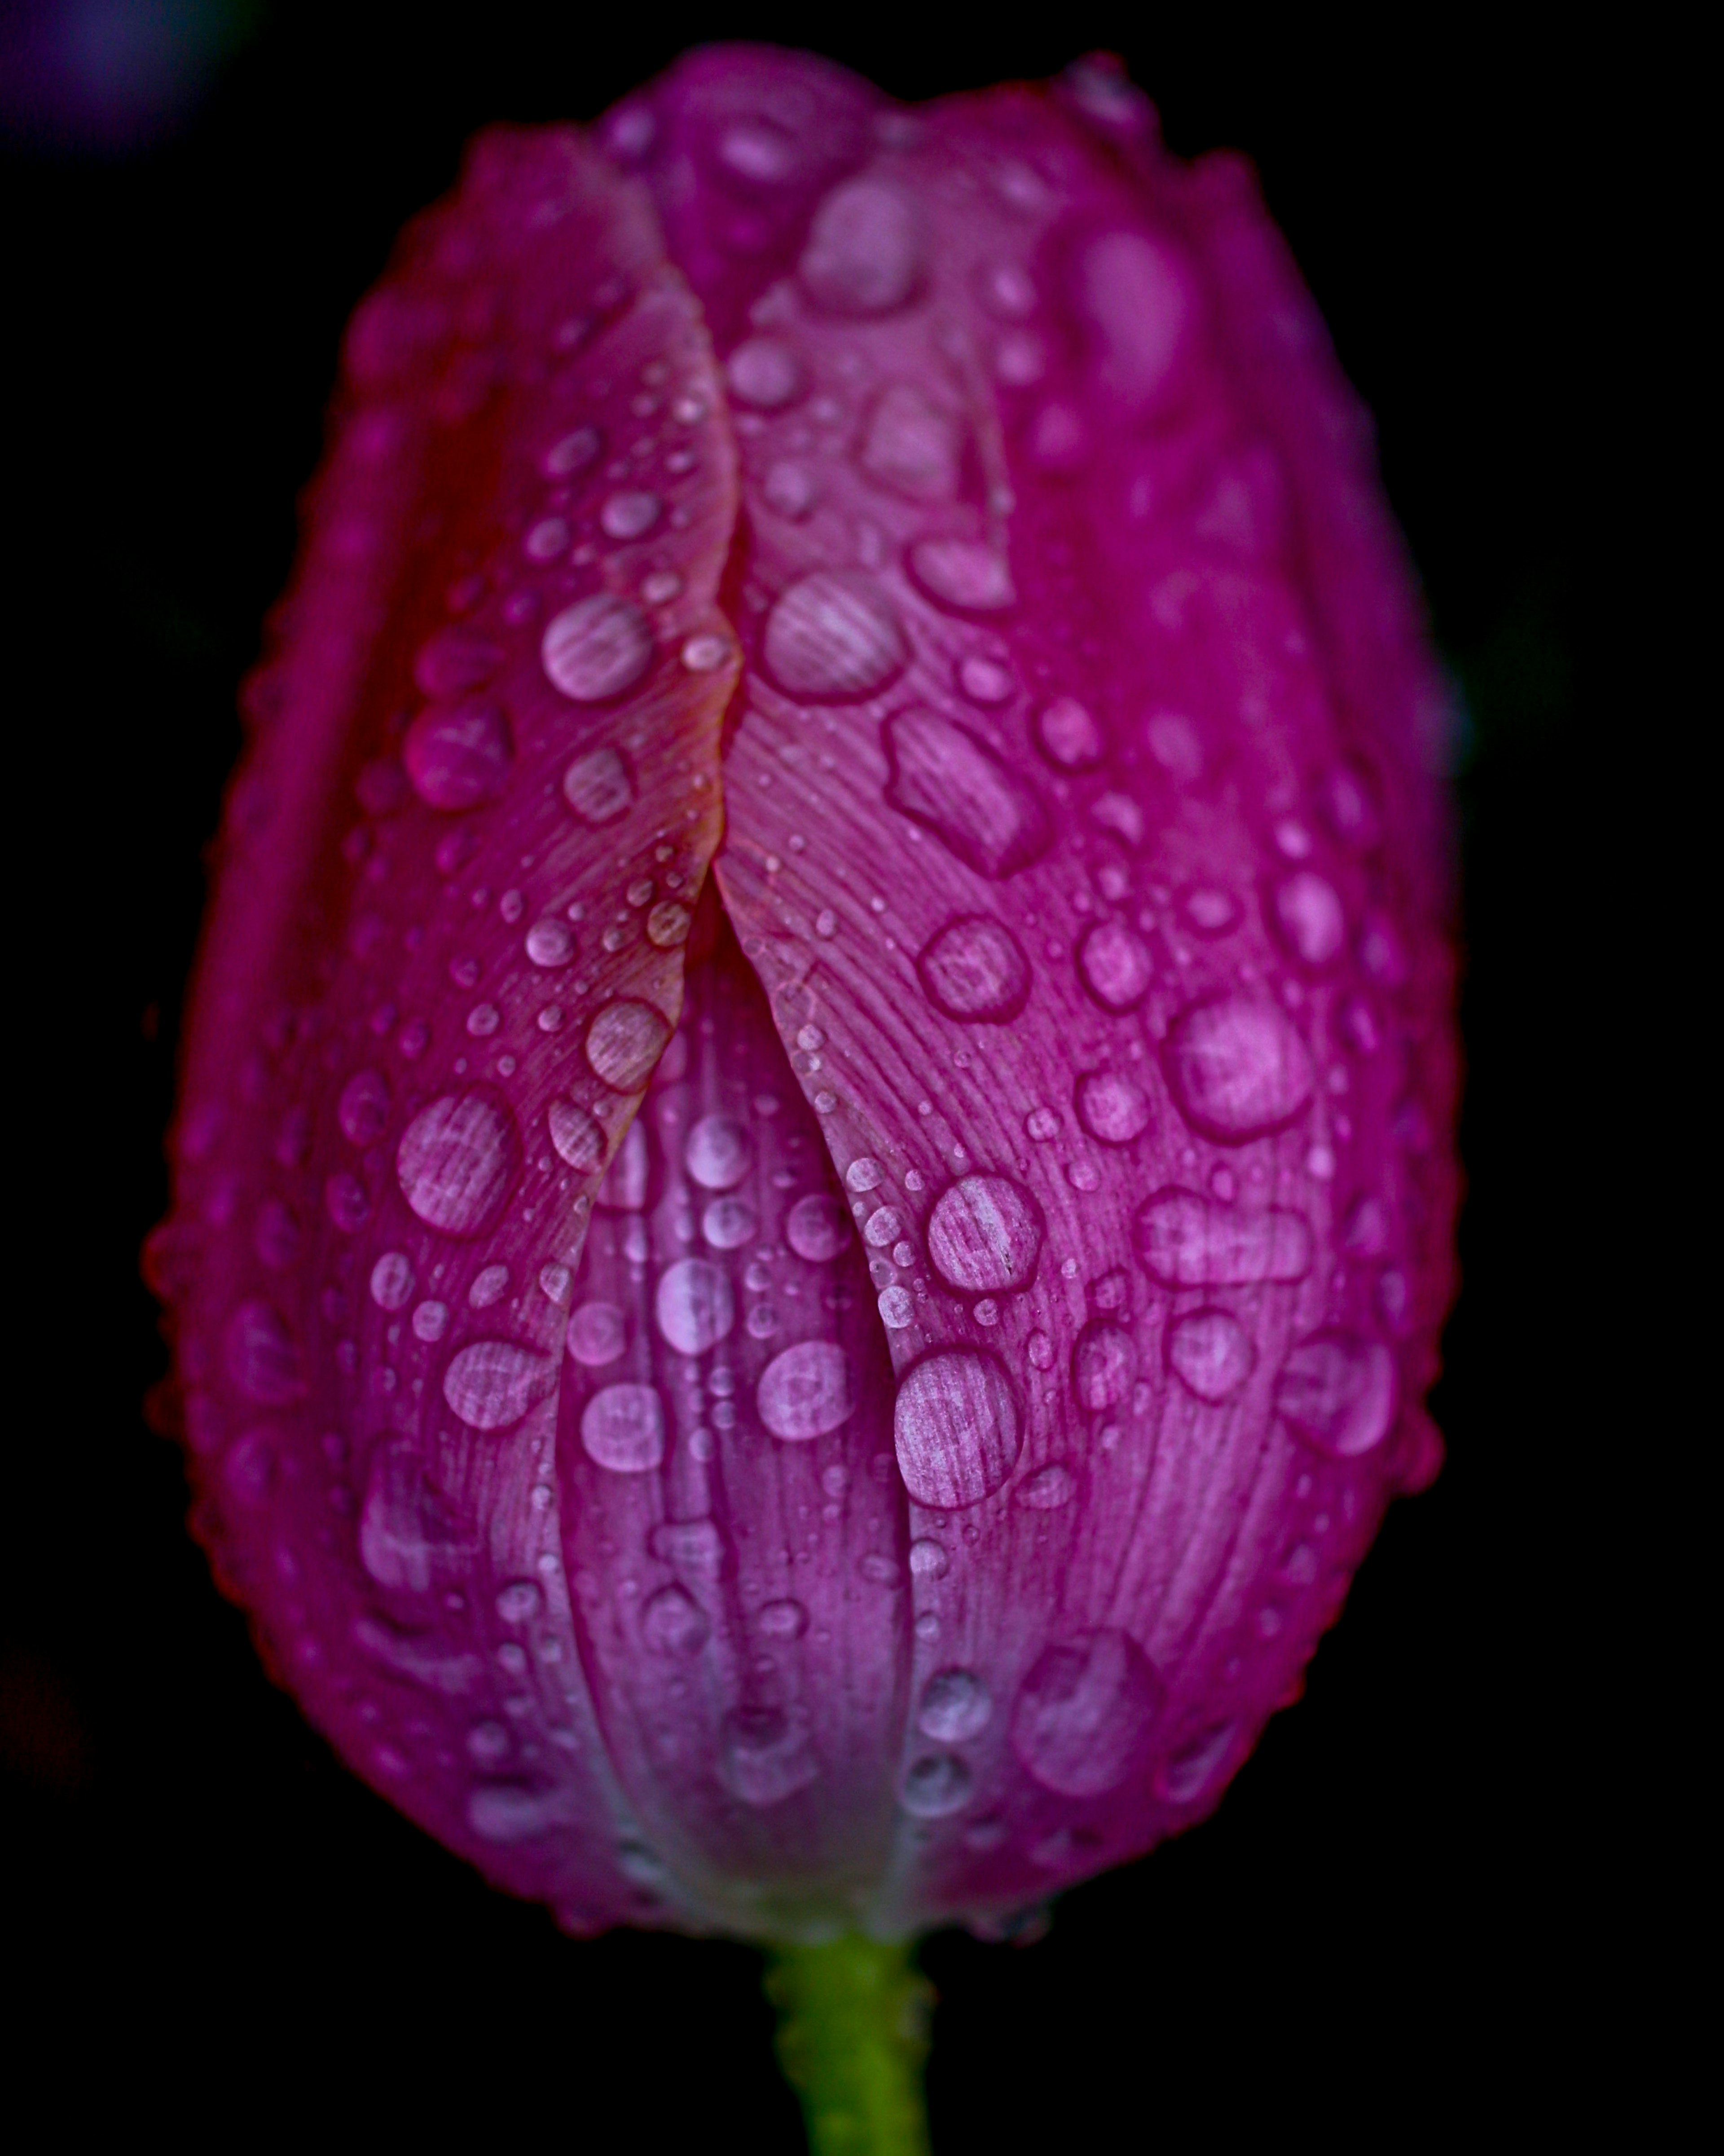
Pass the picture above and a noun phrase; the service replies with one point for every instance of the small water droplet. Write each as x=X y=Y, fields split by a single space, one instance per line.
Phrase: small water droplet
x=628 y=514
x=1210 y=1352
x=974 y=969
x=1112 y=1107
x=694 y=1305
x=430 y=1320
x=1048 y=1489
x=1104 y=1365
x=392 y=1280
x=765 y=372
x=597 y=1332
x=571 y=454
x=458 y=756
x=550 y=943
x=672 y=1623
x=962 y=574
x=623 y=1429
x=1308 y=913
x=717 y=1152
x=956 y=1706
x=935 y=1787
x=1115 y=965
x=785 y=1619
x=598 y=786
x=488 y=1287
x=864 y=254
x=728 y=1222
x=897 y=1308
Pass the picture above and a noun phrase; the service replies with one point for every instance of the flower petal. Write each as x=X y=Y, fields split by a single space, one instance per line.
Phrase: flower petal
x=457 y=872
x=1085 y=689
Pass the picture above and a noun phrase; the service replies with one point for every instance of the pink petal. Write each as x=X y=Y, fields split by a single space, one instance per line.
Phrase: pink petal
x=456 y=874
x=1087 y=726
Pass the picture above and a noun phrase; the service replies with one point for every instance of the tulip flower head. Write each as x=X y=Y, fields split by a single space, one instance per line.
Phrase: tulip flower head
x=813 y=1193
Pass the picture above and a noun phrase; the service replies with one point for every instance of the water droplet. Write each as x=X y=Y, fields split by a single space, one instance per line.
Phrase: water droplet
x=458 y=756
x=928 y=1560
x=1308 y=913
x=597 y=1332
x=1112 y=1107
x=694 y=1305
x=956 y=1706
x=577 y=1136
x=765 y=372
x=363 y=1110
x=550 y=943
x=807 y=1391
x=884 y=1226
x=488 y=1287
x=985 y=680
x=865 y=250
x=1192 y=1767
x=518 y=1602
x=691 y=1545
x=1068 y=735
x=1115 y=965
x=985 y=1234
x=717 y=1152
x=833 y=635
x=728 y=1222
x=628 y=514
x=430 y=1320
x=781 y=1621
x=673 y=1624
x=912 y=446
x=1042 y=1124
x=1048 y=1489
x=974 y=968
x=623 y=1428
x=897 y=1308
x=1185 y=1241
x=402 y=1530
x=1173 y=740
x=1348 y=800
x=936 y=1786
x=392 y=1280
x=1210 y=1352
x=546 y=540
x=453 y=661
x=624 y=1041
x=503 y=1813
x=816 y=1228
x=1338 y=1394
x=757 y=150
x=598 y=786
x=596 y=648
x=262 y=1357
x=1135 y=296
x=957 y=1428
x=1104 y=1365
x=1038 y=1350
x=1085 y=1714
x=456 y=1161
x=668 y=925
x=944 y=777
x=963 y=574
x=765 y=1756
x=1210 y=912
x=571 y=454
x=1237 y=1068
x=790 y=488
x=492 y=1384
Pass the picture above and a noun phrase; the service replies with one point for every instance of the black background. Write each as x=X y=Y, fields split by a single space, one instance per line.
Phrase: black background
x=210 y=1918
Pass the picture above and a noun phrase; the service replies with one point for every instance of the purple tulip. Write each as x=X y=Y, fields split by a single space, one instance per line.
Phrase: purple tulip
x=838 y=1394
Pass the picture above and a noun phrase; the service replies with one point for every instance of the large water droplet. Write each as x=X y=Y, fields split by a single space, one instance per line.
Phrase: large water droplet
x=598 y=786
x=403 y=1530
x=717 y=1152
x=765 y=373
x=985 y=1235
x=493 y=1382
x=363 y=1109
x=956 y=1706
x=962 y=574
x=816 y=1228
x=935 y=1787
x=1309 y=915
x=912 y=446
x=578 y=1137
x=833 y=635
x=1210 y=1352
x=944 y=777
x=623 y=1428
x=694 y=1305
x=262 y=1357
x=807 y=1391
x=458 y=756
x=1237 y=1068
x=597 y=648
x=1192 y=1767
x=1112 y=1107
x=1185 y=1241
x=624 y=1041
x=1104 y=1365
x=597 y=1332
x=975 y=969
x=550 y=943
x=764 y=1755
x=957 y=1428
x=455 y=1162
x=1085 y=1713
x=728 y=1222
x=1338 y=1393
x=1115 y=965
x=865 y=250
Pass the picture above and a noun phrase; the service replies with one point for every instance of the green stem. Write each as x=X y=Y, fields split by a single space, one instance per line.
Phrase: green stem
x=852 y=2021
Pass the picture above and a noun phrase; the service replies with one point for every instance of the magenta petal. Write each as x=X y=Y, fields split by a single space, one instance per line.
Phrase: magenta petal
x=1088 y=731
x=456 y=878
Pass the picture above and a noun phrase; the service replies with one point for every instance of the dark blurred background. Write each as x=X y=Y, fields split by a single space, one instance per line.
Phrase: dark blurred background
x=1396 y=1916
